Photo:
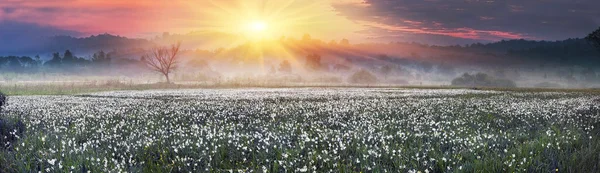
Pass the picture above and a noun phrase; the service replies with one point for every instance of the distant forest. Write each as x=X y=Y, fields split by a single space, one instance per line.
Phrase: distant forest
x=66 y=62
x=107 y=51
x=566 y=52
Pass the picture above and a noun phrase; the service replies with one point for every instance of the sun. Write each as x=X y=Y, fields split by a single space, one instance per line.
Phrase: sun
x=258 y=26
x=258 y=29
x=260 y=20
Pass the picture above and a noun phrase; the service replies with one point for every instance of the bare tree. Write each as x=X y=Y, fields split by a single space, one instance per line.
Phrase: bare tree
x=162 y=59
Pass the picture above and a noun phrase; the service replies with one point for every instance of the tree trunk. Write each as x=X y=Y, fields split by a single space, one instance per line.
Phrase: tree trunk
x=167 y=76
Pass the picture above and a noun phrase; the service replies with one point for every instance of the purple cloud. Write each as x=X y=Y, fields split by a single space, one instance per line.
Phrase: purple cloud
x=476 y=20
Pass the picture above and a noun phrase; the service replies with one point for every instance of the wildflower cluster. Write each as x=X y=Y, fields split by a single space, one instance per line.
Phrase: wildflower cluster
x=303 y=130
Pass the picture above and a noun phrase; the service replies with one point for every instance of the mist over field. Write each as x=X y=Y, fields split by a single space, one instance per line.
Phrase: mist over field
x=571 y=63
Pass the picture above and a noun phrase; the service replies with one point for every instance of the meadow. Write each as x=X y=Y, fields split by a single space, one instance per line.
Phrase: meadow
x=305 y=130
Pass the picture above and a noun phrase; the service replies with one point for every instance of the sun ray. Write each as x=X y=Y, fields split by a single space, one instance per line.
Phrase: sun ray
x=257 y=25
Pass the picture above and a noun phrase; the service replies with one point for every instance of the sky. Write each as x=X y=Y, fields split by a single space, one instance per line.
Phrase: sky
x=426 y=21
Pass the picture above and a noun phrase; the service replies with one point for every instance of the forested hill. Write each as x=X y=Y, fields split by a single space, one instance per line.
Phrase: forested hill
x=95 y=43
x=572 y=51
x=521 y=44
x=45 y=46
x=569 y=52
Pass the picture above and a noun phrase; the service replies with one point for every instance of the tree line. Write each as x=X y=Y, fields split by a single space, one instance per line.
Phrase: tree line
x=59 y=62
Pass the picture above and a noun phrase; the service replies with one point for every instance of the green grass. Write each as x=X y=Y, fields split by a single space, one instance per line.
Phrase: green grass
x=73 y=88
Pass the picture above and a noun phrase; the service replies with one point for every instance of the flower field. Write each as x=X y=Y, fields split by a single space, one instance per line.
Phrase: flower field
x=306 y=130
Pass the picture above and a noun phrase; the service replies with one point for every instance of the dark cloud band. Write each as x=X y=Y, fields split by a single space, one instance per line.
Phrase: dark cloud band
x=478 y=19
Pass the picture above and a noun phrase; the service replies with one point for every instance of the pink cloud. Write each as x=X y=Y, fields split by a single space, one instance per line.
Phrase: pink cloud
x=414 y=23
x=516 y=8
x=465 y=33
x=486 y=18
x=98 y=16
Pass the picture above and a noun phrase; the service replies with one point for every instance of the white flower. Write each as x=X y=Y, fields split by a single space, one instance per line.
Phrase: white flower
x=52 y=161
x=303 y=169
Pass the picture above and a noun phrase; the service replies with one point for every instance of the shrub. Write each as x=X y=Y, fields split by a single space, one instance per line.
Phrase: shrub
x=10 y=128
x=363 y=77
x=482 y=80
x=505 y=83
x=2 y=101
